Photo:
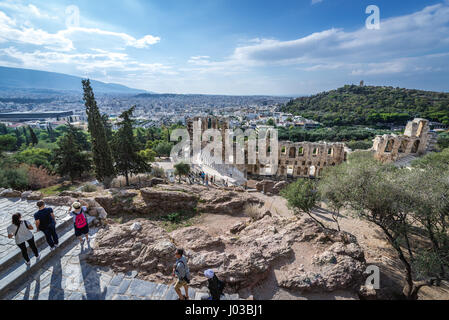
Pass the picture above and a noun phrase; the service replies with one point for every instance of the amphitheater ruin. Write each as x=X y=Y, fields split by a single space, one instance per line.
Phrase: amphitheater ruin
x=308 y=159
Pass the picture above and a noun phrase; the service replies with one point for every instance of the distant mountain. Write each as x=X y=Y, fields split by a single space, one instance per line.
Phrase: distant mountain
x=368 y=105
x=27 y=79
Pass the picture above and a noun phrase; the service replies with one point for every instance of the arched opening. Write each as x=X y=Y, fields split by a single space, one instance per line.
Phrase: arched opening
x=330 y=152
x=403 y=146
x=389 y=146
x=292 y=153
x=290 y=170
x=283 y=150
x=315 y=151
x=312 y=171
x=415 y=146
x=420 y=128
x=268 y=169
x=301 y=151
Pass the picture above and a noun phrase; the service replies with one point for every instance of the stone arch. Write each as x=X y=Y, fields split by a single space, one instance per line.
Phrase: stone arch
x=292 y=152
x=290 y=170
x=312 y=171
x=301 y=151
x=315 y=151
x=390 y=145
x=330 y=152
x=415 y=147
x=403 y=146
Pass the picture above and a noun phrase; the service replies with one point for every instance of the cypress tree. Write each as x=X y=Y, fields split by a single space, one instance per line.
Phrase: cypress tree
x=126 y=151
x=19 y=138
x=102 y=156
x=33 y=136
x=27 y=140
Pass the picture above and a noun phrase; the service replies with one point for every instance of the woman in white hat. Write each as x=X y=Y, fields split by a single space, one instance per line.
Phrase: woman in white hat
x=80 y=222
x=214 y=285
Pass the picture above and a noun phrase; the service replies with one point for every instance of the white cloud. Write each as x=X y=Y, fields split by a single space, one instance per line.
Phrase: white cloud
x=413 y=35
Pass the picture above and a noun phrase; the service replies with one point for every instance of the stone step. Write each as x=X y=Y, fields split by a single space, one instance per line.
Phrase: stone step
x=19 y=271
x=39 y=239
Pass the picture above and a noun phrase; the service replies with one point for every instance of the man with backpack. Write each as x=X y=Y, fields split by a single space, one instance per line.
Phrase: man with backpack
x=80 y=222
x=46 y=222
x=181 y=271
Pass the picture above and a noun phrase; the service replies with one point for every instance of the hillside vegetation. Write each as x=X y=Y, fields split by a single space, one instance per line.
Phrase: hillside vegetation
x=369 y=105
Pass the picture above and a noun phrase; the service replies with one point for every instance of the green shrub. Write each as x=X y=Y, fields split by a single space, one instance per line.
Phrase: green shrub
x=89 y=188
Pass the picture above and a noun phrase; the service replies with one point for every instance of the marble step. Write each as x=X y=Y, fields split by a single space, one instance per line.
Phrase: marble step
x=19 y=271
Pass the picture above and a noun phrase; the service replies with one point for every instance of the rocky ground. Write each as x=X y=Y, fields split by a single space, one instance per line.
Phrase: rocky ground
x=269 y=255
x=246 y=252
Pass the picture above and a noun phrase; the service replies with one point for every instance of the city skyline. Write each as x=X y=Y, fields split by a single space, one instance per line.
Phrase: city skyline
x=231 y=48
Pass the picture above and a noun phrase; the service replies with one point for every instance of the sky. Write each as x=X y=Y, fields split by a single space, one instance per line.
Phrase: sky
x=236 y=47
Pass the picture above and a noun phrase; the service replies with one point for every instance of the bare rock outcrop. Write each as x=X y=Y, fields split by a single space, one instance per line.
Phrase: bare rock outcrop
x=59 y=201
x=166 y=199
x=32 y=195
x=244 y=256
x=10 y=193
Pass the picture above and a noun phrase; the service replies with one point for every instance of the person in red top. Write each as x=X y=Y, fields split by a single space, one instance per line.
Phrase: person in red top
x=80 y=222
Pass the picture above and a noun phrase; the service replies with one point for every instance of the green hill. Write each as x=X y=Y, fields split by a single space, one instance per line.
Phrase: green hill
x=368 y=105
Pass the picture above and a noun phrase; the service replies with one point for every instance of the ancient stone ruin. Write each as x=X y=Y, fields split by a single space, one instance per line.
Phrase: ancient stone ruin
x=416 y=140
x=308 y=159
x=302 y=159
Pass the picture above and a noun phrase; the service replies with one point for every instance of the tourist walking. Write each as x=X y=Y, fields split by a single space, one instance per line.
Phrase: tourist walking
x=207 y=180
x=203 y=176
x=46 y=222
x=80 y=222
x=20 y=230
x=182 y=273
x=214 y=285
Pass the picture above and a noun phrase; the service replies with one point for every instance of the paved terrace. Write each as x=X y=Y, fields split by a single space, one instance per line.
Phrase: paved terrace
x=27 y=209
x=65 y=275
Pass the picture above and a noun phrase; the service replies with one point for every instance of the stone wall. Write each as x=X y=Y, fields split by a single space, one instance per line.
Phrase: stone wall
x=302 y=159
x=414 y=141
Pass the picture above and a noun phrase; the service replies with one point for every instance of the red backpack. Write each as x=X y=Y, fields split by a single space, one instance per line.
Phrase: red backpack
x=80 y=220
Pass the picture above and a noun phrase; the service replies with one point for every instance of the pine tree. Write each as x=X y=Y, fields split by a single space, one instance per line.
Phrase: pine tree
x=3 y=129
x=34 y=139
x=102 y=156
x=69 y=159
x=126 y=152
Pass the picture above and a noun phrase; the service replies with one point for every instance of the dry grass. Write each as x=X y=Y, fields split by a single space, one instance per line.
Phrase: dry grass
x=253 y=211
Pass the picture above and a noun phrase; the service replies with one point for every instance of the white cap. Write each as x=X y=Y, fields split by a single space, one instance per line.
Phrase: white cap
x=209 y=273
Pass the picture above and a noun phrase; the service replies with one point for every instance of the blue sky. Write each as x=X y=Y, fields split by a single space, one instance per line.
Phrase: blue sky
x=232 y=47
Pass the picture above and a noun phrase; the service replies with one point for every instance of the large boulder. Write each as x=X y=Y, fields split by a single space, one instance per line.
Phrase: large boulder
x=118 y=202
x=279 y=186
x=265 y=186
x=341 y=266
x=10 y=193
x=32 y=195
x=165 y=202
x=59 y=201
